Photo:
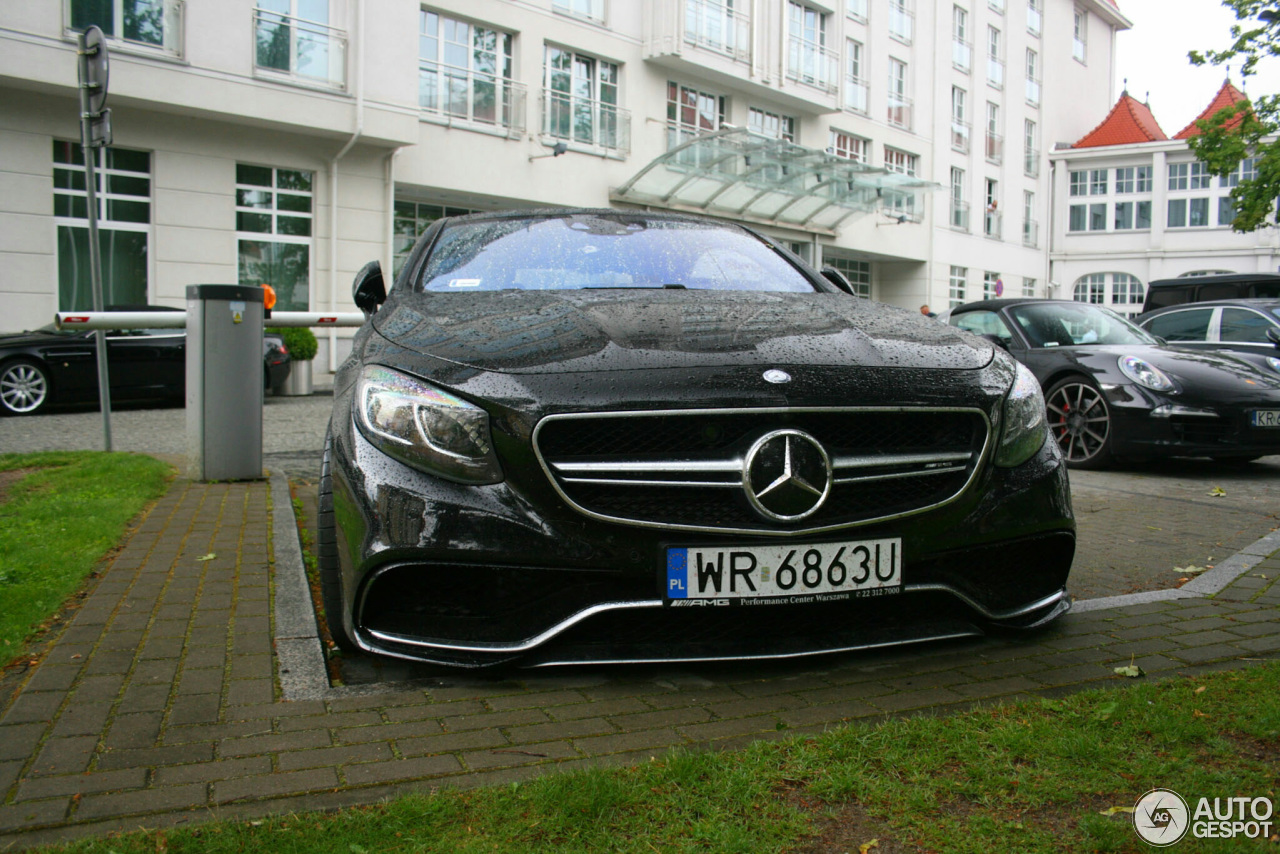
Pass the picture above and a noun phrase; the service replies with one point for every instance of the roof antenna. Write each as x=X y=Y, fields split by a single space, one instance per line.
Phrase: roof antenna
x=1125 y=89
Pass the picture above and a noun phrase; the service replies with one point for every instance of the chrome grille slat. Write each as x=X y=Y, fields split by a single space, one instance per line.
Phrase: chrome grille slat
x=930 y=455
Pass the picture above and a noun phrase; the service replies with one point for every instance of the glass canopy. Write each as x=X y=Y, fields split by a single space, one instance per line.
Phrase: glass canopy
x=742 y=175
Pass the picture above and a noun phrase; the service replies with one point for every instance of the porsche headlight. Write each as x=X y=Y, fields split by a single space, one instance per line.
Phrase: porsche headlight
x=1146 y=374
x=426 y=427
x=1273 y=362
x=1024 y=428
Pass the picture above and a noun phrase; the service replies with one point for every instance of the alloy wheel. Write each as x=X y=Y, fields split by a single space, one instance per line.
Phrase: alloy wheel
x=1080 y=420
x=23 y=387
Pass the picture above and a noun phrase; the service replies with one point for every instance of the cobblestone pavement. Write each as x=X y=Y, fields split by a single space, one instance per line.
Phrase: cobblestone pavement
x=183 y=689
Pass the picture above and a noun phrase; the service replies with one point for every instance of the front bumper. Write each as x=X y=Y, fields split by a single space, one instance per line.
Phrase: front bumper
x=1148 y=424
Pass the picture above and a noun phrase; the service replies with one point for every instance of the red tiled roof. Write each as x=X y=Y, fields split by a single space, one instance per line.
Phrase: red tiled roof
x=1128 y=122
x=1226 y=96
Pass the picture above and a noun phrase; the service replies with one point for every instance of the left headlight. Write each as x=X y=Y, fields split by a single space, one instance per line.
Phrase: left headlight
x=426 y=427
x=1146 y=374
x=1273 y=362
x=1024 y=428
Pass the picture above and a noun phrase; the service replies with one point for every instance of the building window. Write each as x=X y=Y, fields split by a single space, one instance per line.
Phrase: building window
x=149 y=23
x=1124 y=179
x=1079 y=183
x=1097 y=182
x=899 y=103
x=992 y=225
x=959 y=207
x=856 y=9
x=995 y=62
x=1188 y=213
x=1246 y=171
x=1178 y=175
x=1078 y=218
x=1126 y=290
x=956 y=285
x=771 y=125
x=1098 y=217
x=294 y=37
x=857 y=272
x=1028 y=287
x=1030 y=148
x=1034 y=17
x=849 y=147
x=961 y=49
x=691 y=113
x=901 y=20
x=1030 y=227
x=1124 y=216
x=855 y=87
x=464 y=72
x=589 y=10
x=718 y=26
x=1079 y=34
x=580 y=100
x=959 y=119
x=995 y=139
x=1199 y=177
x=992 y=287
x=901 y=203
x=273 y=232
x=1091 y=289
x=411 y=219
x=124 y=224
x=808 y=59
x=1033 y=78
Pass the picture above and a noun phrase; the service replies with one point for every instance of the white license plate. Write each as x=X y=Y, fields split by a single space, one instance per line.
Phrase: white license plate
x=1265 y=418
x=781 y=573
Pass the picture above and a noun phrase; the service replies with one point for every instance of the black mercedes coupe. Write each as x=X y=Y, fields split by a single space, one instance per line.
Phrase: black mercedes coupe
x=603 y=436
x=1116 y=392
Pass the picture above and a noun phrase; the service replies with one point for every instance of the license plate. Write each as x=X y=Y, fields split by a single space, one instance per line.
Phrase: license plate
x=1265 y=418
x=752 y=575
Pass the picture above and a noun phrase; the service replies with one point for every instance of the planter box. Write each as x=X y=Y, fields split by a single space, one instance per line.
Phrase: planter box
x=299 y=380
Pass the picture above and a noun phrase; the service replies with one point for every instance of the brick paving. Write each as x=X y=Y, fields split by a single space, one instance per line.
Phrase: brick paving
x=189 y=685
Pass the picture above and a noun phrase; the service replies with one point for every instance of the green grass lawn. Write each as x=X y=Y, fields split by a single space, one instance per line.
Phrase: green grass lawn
x=58 y=520
x=1031 y=777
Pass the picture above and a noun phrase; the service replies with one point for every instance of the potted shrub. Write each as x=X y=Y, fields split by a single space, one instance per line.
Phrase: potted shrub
x=302 y=346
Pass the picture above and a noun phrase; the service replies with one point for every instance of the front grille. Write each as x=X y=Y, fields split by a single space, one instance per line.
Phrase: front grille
x=683 y=470
x=1203 y=431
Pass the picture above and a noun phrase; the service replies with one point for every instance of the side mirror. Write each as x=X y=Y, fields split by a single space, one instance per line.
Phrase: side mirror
x=1273 y=335
x=368 y=290
x=835 y=277
x=995 y=339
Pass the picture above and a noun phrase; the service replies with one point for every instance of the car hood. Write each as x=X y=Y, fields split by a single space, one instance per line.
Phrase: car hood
x=1194 y=370
x=564 y=331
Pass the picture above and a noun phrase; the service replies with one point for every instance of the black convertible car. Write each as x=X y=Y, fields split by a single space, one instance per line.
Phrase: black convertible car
x=51 y=367
x=604 y=436
x=1116 y=391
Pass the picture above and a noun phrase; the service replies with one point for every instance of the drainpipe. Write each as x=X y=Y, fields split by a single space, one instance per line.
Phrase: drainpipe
x=358 y=68
x=389 y=249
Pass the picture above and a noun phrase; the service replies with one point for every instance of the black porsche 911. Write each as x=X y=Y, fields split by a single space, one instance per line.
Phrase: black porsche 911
x=1114 y=391
x=49 y=367
x=605 y=436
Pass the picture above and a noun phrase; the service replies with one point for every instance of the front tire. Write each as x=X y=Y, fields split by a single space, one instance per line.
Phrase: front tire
x=327 y=559
x=1080 y=421
x=24 y=387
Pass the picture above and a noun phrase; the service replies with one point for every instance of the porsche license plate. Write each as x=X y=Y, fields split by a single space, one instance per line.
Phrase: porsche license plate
x=783 y=573
x=1265 y=418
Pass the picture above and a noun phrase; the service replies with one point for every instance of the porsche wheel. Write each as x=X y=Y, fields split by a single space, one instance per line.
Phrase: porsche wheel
x=1080 y=420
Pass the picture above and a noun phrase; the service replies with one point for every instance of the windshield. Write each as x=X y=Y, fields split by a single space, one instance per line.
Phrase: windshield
x=1059 y=325
x=604 y=251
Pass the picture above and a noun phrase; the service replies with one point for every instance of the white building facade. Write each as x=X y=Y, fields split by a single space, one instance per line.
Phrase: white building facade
x=291 y=141
x=1132 y=206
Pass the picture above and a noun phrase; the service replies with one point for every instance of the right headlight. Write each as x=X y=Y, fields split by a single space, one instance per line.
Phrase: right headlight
x=1273 y=362
x=426 y=427
x=1024 y=429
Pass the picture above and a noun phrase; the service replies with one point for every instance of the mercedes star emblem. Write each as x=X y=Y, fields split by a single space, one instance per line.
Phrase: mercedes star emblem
x=774 y=375
x=786 y=475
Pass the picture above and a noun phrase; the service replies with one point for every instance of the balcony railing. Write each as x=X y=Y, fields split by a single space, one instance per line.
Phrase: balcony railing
x=900 y=111
x=305 y=50
x=995 y=148
x=1033 y=20
x=992 y=225
x=959 y=215
x=996 y=6
x=717 y=27
x=450 y=94
x=961 y=55
x=1033 y=92
x=901 y=23
x=960 y=132
x=856 y=9
x=585 y=122
x=1030 y=233
x=855 y=94
x=1031 y=163
x=813 y=64
x=995 y=72
x=1077 y=49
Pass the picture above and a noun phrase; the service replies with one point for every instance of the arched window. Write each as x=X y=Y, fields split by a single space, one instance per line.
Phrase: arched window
x=1091 y=288
x=1126 y=290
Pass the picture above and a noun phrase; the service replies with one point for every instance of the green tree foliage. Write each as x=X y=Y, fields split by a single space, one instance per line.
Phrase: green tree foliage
x=1248 y=128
